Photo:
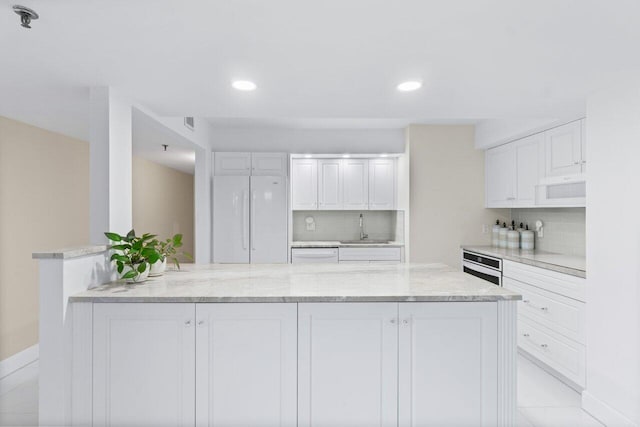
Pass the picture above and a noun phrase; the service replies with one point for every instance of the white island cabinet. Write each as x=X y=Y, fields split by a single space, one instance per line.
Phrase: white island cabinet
x=143 y=364
x=319 y=345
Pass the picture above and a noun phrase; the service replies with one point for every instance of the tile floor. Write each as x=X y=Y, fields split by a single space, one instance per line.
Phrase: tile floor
x=543 y=401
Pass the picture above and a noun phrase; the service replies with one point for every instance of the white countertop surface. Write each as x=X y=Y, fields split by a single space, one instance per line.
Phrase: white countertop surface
x=304 y=283
x=568 y=264
x=337 y=244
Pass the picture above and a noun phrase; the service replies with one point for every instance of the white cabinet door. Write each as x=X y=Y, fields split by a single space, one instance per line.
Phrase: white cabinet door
x=529 y=154
x=232 y=163
x=500 y=176
x=347 y=364
x=447 y=358
x=563 y=149
x=330 y=184
x=246 y=365
x=382 y=184
x=355 y=184
x=304 y=184
x=143 y=364
x=269 y=164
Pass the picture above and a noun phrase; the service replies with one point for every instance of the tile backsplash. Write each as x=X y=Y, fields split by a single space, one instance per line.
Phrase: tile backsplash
x=564 y=228
x=343 y=225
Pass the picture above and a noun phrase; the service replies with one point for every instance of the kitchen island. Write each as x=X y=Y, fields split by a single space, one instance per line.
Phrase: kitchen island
x=287 y=345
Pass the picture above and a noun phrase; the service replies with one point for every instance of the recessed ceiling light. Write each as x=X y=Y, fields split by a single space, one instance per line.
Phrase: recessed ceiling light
x=244 y=85
x=346 y=156
x=409 y=86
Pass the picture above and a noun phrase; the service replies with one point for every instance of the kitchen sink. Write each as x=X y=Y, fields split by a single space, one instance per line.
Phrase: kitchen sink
x=363 y=242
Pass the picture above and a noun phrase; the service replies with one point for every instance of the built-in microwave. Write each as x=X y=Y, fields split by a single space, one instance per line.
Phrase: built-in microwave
x=566 y=191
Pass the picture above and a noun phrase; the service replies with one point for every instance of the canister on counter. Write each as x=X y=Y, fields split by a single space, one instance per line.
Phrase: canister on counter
x=495 y=234
x=513 y=239
x=527 y=239
x=502 y=242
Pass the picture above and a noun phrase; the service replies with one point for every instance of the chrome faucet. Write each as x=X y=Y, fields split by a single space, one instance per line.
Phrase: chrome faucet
x=362 y=233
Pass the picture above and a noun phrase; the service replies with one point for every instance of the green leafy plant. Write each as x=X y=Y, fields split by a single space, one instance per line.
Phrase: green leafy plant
x=133 y=252
x=169 y=249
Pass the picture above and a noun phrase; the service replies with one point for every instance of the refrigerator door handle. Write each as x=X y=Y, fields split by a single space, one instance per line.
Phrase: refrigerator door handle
x=253 y=220
x=245 y=208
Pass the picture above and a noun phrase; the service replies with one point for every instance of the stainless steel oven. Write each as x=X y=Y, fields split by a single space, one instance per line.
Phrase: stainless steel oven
x=485 y=267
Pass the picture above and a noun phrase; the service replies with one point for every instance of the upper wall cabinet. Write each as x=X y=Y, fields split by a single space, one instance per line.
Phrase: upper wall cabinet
x=382 y=184
x=232 y=164
x=355 y=179
x=269 y=164
x=500 y=176
x=529 y=168
x=304 y=184
x=563 y=146
x=330 y=184
x=515 y=172
x=343 y=184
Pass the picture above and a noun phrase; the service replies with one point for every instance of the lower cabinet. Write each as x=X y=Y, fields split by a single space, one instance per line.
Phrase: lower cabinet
x=203 y=364
x=389 y=364
x=447 y=364
x=143 y=364
x=287 y=364
x=348 y=364
x=246 y=364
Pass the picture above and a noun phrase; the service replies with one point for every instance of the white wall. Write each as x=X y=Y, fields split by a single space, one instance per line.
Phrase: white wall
x=447 y=193
x=613 y=256
x=308 y=140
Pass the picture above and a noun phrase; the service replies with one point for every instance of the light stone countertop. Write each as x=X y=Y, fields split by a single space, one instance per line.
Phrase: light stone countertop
x=337 y=244
x=568 y=264
x=303 y=283
x=66 y=253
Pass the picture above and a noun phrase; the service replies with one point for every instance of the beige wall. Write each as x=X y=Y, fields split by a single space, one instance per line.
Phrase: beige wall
x=162 y=201
x=447 y=193
x=44 y=204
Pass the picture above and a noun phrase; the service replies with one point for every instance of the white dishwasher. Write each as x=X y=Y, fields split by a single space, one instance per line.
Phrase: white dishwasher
x=314 y=255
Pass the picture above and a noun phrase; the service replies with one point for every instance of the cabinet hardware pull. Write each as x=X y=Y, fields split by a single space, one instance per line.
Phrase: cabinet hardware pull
x=405 y=322
x=545 y=309
x=393 y=321
x=544 y=346
x=187 y=322
x=200 y=322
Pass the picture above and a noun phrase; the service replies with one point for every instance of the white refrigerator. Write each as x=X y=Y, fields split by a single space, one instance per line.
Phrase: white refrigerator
x=250 y=219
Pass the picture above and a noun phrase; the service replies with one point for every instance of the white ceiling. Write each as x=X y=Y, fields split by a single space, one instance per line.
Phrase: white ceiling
x=322 y=64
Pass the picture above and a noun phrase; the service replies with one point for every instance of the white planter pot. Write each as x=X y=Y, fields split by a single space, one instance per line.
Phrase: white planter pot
x=158 y=268
x=141 y=277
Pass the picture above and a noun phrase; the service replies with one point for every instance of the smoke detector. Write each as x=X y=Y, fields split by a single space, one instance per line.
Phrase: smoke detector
x=26 y=15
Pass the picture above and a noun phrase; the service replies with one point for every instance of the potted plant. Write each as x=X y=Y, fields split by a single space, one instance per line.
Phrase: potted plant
x=133 y=255
x=167 y=249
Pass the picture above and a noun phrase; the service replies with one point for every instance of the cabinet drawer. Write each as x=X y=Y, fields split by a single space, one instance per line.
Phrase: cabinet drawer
x=560 y=353
x=552 y=281
x=563 y=315
x=369 y=254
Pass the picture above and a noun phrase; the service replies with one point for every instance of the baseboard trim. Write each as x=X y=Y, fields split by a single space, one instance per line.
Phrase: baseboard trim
x=603 y=412
x=19 y=360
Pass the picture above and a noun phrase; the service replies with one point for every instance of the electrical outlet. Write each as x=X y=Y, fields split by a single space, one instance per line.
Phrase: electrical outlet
x=485 y=229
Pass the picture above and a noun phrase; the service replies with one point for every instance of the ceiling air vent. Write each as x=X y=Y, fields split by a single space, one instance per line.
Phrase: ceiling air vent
x=189 y=122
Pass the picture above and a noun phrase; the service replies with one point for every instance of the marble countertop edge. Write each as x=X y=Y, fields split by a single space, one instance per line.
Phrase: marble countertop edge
x=72 y=252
